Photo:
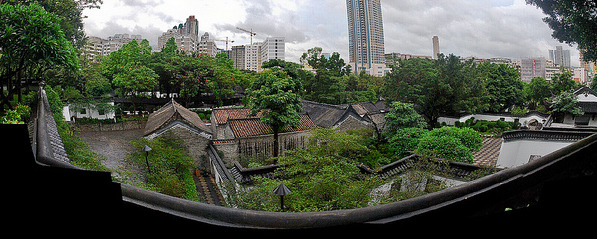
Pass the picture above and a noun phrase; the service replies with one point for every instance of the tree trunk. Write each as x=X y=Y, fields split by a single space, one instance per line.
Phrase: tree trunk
x=276 y=143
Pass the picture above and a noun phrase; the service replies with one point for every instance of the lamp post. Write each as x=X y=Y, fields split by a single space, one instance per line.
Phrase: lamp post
x=282 y=190
x=147 y=149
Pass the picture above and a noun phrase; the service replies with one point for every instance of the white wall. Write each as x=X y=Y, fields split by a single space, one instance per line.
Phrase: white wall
x=523 y=120
x=517 y=152
x=90 y=113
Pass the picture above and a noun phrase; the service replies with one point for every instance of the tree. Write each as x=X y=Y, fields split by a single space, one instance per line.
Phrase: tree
x=562 y=82
x=402 y=115
x=572 y=21
x=131 y=54
x=136 y=79
x=223 y=83
x=324 y=176
x=405 y=141
x=440 y=87
x=275 y=95
x=69 y=14
x=593 y=84
x=565 y=103
x=31 y=42
x=503 y=84
x=325 y=86
x=537 y=92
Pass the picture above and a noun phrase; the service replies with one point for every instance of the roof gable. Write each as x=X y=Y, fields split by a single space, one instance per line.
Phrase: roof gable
x=173 y=111
x=585 y=94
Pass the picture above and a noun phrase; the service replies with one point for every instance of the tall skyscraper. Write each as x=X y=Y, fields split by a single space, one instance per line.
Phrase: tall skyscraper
x=186 y=35
x=560 y=56
x=366 y=39
x=435 y=40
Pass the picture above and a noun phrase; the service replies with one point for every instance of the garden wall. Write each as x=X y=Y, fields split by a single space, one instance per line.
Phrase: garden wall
x=124 y=125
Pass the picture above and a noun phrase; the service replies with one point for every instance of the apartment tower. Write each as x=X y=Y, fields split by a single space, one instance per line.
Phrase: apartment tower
x=366 y=39
x=435 y=40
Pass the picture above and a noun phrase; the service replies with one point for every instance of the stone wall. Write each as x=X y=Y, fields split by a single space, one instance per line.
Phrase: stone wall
x=195 y=143
x=228 y=151
x=124 y=125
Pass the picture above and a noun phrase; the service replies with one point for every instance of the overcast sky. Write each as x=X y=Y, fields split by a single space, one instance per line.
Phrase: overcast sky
x=479 y=28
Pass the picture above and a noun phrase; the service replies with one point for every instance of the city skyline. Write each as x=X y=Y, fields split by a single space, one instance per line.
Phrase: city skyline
x=483 y=29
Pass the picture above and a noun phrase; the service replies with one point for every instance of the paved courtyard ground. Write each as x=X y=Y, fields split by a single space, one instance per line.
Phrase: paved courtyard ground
x=115 y=146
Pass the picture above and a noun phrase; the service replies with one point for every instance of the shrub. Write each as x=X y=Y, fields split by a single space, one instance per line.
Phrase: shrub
x=405 y=141
x=169 y=164
x=467 y=136
x=450 y=143
x=444 y=147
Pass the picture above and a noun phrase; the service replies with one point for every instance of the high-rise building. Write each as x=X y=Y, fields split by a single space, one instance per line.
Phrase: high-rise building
x=251 y=57
x=237 y=54
x=273 y=48
x=435 y=40
x=185 y=35
x=531 y=68
x=96 y=46
x=366 y=38
x=560 y=57
x=207 y=45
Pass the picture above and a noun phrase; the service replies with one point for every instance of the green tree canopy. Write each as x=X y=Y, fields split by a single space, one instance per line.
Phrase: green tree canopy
x=503 y=85
x=402 y=115
x=572 y=21
x=446 y=86
x=275 y=94
x=31 y=41
x=537 y=92
x=565 y=103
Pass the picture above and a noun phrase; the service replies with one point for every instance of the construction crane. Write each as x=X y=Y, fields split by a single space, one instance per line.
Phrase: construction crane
x=250 y=32
x=231 y=41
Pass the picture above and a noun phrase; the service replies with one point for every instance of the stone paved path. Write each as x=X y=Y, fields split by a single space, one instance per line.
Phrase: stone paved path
x=115 y=146
x=206 y=187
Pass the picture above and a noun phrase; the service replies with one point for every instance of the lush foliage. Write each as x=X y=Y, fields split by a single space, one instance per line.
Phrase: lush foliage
x=31 y=42
x=491 y=127
x=404 y=142
x=572 y=21
x=78 y=151
x=274 y=94
x=402 y=115
x=324 y=176
x=450 y=143
x=169 y=166
x=565 y=103
x=437 y=87
x=503 y=85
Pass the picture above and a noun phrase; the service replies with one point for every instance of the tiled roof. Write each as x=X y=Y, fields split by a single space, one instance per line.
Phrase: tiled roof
x=222 y=115
x=323 y=115
x=489 y=152
x=254 y=127
x=172 y=110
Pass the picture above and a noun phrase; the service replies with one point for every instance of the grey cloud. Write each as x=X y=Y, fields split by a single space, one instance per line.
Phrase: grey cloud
x=465 y=28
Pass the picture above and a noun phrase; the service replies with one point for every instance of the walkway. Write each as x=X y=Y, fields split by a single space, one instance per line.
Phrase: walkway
x=208 y=190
